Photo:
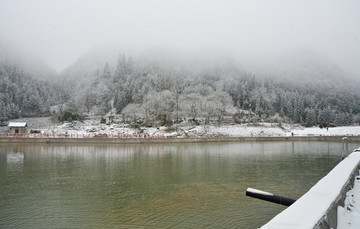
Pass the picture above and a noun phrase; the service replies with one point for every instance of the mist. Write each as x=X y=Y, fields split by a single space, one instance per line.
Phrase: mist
x=60 y=32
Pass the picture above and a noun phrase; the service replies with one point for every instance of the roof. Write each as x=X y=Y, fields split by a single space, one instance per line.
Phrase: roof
x=17 y=124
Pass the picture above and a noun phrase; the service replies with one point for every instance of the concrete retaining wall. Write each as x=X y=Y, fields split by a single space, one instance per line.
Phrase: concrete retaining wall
x=171 y=140
x=318 y=207
x=329 y=220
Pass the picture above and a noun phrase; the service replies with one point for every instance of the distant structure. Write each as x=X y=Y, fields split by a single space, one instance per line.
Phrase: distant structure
x=17 y=127
x=111 y=119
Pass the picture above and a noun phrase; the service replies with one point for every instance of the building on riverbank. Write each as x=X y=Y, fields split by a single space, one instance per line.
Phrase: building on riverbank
x=18 y=127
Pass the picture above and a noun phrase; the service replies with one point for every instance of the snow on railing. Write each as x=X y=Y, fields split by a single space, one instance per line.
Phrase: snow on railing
x=119 y=136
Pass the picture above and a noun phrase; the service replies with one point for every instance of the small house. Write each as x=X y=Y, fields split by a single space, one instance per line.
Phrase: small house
x=111 y=119
x=17 y=127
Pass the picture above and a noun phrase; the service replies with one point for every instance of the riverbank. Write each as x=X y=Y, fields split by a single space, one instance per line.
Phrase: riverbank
x=187 y=130
x=170 y=140
x=92 y=131
x=93 y=127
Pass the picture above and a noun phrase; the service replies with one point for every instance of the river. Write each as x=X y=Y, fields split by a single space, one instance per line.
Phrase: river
x=194 y=185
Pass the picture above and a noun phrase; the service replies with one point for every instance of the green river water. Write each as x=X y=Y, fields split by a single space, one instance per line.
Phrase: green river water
x=195 y=185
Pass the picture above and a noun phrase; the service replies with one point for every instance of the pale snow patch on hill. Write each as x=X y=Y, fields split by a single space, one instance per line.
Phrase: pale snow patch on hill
x=334 y=131
x=241 y=130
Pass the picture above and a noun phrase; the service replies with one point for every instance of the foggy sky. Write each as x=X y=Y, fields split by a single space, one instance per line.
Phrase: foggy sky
x=60 y=31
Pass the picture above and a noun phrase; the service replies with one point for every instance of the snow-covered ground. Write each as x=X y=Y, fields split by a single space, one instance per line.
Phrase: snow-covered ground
x=349 y=215
x=261 y=130
x=93 y=127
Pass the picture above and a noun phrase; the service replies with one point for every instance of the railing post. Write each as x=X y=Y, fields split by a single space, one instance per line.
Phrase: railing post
x=344 y=140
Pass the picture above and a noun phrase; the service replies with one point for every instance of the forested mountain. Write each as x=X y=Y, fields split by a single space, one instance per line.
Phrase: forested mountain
x=23 y=96
x=166 y=90
x=26 y=85
x=169 y=90
x=87 y=67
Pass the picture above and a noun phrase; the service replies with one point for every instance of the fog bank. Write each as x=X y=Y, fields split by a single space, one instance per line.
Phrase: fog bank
x=62 y=31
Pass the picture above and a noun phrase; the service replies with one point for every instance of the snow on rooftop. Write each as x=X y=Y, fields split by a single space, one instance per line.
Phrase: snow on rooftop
x=313 y=205
x=17 y=124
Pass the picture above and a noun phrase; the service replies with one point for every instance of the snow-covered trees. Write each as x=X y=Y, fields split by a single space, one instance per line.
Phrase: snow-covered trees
x=21 y=95
x=169 y=93
x=206 y=93
x=63 y=93
x=310 y=117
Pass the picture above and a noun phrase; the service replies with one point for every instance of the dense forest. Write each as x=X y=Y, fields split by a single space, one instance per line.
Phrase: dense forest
x=169 y=92
x=23 y=96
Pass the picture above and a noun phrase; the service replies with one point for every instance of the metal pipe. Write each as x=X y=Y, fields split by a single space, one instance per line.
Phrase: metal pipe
x=269 y=197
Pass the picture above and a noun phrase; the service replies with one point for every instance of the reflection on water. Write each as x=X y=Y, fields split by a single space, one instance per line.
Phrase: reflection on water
x=15 y=158
x=154 y=185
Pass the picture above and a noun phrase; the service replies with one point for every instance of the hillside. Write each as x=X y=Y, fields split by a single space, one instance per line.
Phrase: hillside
x=26 y=85
x=23 y=96
x=167 y=88
x=160 y=87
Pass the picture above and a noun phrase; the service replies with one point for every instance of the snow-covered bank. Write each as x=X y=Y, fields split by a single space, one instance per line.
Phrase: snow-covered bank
x=185 y=130
x=261 y=130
